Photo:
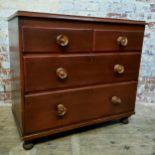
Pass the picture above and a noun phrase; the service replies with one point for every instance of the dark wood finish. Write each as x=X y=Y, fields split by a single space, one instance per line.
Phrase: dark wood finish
x=71 y=17
x=16 y=73
x=30 y=137
x=82 y=70
x=44 y=104
x=82 y=104
x=44 y=40
x=107 y=40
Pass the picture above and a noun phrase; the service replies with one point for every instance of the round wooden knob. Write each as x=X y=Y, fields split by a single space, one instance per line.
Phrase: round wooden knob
x=61 y=110
x=62 y=40
x=122 y=41
x=119 y=69
x=61 y=73
x=116 y=100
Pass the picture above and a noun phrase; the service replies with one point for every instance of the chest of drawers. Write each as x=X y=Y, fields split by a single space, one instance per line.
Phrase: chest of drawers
x=71 y=71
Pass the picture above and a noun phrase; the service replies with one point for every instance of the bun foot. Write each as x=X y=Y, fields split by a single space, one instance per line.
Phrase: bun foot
x=28 y=145
x=124 y=120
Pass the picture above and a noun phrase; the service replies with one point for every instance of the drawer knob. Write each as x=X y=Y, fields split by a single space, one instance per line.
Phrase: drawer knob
x=61 y=110
x=119 y=69
x=122 y=40
x=62 y=40
x=116 y=100
x=61 y=73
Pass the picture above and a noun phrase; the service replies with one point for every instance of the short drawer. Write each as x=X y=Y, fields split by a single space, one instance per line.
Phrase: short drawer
x=47 y=72
x=118 y=40
x=74 y=106
x=56 y=40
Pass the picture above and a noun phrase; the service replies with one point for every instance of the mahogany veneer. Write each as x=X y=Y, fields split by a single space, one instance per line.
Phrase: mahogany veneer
x=72 y=71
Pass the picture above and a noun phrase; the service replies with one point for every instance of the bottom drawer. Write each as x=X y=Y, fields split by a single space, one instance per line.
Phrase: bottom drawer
x=61 y=108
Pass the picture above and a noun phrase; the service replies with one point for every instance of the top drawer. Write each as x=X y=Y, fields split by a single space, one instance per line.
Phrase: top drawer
x=117 y=40
x=56 y=39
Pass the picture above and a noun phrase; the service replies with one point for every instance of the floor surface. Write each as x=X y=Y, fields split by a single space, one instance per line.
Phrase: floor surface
x=135 y=138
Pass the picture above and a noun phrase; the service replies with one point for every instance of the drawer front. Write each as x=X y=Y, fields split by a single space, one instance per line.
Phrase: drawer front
x=118 y=40
x=74 y=106
x=45 y=72
x=56 y=40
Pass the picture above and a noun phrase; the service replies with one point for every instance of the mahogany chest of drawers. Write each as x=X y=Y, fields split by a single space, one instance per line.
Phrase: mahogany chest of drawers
x=71 y=71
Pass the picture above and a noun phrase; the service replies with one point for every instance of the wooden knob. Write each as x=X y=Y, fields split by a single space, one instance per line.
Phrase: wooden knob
x=61 y=73
x=119 y=69
x=122 y=41
x=61 y=110
x=62 y=40
x=116 y=100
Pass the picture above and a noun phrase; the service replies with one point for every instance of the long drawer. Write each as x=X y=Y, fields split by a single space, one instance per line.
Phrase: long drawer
x=57 y=109
x=47 y=72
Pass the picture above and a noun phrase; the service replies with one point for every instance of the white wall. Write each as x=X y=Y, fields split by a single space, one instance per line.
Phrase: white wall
x=126 y=9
